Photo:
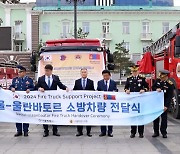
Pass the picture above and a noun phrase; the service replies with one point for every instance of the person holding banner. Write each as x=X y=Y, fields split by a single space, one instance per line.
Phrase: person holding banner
x=49 y=81
x=167 y=86
x=22 y=83
x=84 y=84
x=106 y=84
x=136 y=83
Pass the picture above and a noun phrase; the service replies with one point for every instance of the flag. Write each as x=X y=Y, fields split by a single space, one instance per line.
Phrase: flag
x=47 y=58
x=94 y=56
x=16 y=96
x=109 y=97
x=62 y=57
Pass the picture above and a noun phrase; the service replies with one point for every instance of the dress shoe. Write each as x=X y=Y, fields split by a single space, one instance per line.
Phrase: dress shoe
x=89 y=135
x=110 y=135
x=26 y=134
x=164 y=135
x=18 y=134
x=141 y=135
x=79 y=134
x=101 y=135
x=46 y=135
x=155 y=135
x=132 y=136
x=56 y=134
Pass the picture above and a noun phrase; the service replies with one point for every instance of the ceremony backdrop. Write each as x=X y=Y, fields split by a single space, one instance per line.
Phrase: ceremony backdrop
x=67 y=65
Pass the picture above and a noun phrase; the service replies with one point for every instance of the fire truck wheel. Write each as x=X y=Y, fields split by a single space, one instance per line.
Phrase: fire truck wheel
x=175 y=108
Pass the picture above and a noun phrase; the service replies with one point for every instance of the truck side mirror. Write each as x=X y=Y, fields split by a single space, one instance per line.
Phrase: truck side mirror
x=110 y=58
x=110 y=67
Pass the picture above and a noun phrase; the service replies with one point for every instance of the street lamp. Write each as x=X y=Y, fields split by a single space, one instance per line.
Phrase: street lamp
x=75 y=14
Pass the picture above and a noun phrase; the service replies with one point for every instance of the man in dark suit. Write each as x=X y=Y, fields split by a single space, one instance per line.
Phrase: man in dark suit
x=49 y=81
x=106 y=84
x=84 y=84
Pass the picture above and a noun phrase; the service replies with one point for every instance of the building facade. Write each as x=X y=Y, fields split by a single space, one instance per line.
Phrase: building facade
x=19 y=18
x=136 y=26
x=41 y=3
x=144 y=2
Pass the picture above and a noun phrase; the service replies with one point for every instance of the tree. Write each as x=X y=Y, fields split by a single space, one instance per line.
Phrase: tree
x=81 y=34
x=10 y=1
x=121 y=59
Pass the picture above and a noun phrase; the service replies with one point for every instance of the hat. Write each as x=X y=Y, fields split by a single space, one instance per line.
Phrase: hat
x=134 y=68
x=21 y=68
x=163 y=73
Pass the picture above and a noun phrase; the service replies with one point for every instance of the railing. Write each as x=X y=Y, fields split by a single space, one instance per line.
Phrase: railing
x=106 y=36
x=66 y=35
x=19 y=36
x=146 y=36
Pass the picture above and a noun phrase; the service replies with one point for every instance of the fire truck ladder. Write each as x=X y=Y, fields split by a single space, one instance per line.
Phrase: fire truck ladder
x=162 y=43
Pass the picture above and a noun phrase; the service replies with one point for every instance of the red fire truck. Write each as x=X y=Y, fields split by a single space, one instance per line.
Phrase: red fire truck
x=165 y=54
x=68 y=56
x=7 y=73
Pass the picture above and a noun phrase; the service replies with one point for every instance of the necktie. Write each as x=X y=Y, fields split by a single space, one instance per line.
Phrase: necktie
x=84 y=83
x=49 y=82
x=106 y=85
x=22 y=79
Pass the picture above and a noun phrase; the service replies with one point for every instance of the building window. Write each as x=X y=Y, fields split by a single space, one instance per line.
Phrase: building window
x=104 y=2
x=105 y=27
x=165 y=26
x=126 y=45
x=18 y=47
x=18 y=27
x=85 y=27
x=146 y=27
x=45 y=28
x=125 y=27
x=66 y=29
x=145 y=44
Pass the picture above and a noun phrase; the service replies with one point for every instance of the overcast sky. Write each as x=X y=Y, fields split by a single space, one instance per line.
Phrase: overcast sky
x=176 y=2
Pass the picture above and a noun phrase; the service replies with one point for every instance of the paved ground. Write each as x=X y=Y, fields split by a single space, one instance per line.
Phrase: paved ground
x=67 y=143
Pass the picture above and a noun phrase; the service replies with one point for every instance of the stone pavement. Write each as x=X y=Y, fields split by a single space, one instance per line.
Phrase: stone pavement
x=68 y=143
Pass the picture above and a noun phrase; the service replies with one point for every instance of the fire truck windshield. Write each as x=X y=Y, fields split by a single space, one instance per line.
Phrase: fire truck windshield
x=67 y=64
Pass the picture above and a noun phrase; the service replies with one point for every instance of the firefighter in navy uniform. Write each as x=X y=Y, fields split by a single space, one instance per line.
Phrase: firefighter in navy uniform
x=136 y=83
x=163 y=84
x=22 y=83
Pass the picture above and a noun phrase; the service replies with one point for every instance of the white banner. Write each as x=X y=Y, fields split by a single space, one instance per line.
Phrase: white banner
x=80 y=107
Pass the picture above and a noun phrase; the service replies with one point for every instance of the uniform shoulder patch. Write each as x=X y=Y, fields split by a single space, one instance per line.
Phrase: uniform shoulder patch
x=129 y=76
x=170 y=82
x=142 y=75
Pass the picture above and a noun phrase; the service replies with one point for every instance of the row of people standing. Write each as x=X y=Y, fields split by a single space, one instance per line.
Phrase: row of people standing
x=137 y=83
x=49 y=81
x=134 y=83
